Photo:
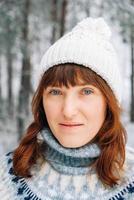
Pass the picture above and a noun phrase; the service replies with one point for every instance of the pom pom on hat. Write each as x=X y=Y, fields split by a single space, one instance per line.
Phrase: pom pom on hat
x=93 y=26
x=88 y=44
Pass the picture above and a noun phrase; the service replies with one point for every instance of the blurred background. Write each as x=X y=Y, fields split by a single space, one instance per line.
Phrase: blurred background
x=28 y=28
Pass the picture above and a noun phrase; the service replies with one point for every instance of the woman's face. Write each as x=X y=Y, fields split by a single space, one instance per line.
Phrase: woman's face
x=74 y=114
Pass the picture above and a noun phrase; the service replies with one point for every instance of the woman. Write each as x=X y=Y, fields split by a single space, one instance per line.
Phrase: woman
x=75 y=147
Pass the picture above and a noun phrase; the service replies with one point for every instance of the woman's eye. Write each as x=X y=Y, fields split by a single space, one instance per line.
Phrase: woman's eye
x=87 y=91
x=55 y=92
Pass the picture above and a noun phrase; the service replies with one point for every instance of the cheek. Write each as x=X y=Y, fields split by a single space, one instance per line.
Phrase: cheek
x=51 y=109
x=102 y=108
x=96 y=110
x=100 y=115
x=95 y=117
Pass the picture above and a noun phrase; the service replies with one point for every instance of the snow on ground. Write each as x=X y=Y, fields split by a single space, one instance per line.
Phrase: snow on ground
x=130 y=131
x=8 y=136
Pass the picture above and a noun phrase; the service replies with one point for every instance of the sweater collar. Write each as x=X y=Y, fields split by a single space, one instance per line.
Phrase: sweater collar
x=72 y=161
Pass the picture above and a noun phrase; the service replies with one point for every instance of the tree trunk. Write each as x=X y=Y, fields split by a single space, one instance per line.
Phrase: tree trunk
x=9 y=60
x=10 y=105
x=0 y=80
x=101 y=8
x=132 y=70
x=87 y=8
x=54 y=20
x=25 y=86
x=63 y=17
x=0 y=93
x=132 y=76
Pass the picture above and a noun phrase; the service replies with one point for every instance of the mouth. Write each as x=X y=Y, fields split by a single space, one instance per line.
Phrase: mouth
x=71 y=125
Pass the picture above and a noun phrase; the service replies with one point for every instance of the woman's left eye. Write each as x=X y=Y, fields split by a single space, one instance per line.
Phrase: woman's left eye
x=87 y=91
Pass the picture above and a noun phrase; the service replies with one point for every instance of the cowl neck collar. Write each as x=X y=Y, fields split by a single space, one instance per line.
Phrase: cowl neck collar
x=67 y=160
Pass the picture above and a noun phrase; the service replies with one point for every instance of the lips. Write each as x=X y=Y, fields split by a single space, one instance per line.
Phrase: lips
x=71 y=124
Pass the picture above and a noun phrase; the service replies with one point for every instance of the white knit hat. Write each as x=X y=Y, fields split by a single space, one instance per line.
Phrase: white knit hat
x=88 y=44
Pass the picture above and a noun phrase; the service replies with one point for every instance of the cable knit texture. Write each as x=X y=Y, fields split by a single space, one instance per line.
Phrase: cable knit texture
x=63 y=175
x=89 y=45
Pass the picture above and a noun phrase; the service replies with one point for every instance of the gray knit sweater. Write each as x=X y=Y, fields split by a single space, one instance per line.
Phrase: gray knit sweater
x=64 y=175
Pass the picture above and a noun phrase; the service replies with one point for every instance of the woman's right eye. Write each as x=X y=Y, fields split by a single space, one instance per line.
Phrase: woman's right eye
x=55 y=92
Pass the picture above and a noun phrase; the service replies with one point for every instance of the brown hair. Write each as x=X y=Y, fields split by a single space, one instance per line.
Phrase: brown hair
x=111 y=138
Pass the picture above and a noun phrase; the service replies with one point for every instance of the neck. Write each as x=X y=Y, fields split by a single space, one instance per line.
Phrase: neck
x=67 y=160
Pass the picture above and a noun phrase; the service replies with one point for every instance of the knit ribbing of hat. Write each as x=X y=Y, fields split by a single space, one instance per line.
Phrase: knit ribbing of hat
x=68 y=160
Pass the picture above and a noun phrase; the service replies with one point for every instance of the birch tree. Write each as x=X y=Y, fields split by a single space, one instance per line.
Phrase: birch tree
x=25 y=82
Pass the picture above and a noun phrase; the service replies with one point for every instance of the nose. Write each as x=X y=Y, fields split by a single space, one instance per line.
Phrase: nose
x=70 y=108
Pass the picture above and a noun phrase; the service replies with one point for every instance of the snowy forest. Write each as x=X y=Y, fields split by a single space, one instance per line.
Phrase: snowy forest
x=28 y=28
